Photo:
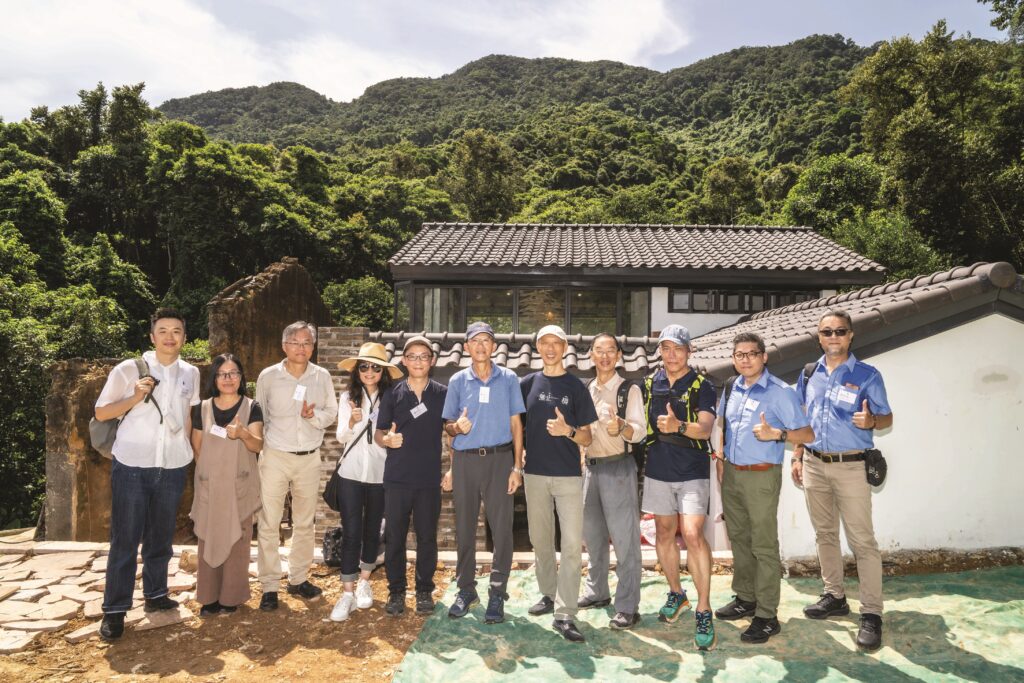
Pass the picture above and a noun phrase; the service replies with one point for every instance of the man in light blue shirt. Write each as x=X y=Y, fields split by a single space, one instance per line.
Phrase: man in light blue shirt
x=482 y=411
x=760 y=413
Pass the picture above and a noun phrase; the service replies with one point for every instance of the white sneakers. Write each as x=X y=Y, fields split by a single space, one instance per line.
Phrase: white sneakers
x=364 y=594
x=346 y=603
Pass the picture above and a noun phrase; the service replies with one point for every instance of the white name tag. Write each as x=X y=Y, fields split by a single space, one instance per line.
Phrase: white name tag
x=418 y=410
x=217 y=430
x=300 y=393
x=485 y=394
x=751 y=404
x=846 y=396
x=373 y=417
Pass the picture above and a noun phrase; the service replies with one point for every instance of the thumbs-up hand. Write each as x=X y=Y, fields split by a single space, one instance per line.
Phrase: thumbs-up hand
x=669 y=423
x=234 y=429
x=765 y=432
x=558 y=426
x=463 y=424
x=393 y=439
x=614 y=425
x=357 y=414
x=863 y=418
x=307 y=410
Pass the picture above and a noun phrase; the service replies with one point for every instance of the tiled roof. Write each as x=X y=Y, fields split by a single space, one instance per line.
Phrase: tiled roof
x=790 y=332
x=617 y=246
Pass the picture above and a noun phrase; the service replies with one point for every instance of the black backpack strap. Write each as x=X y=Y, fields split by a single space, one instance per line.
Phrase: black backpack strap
x=143 y=367
x=808 y=371
x=622 y=397
x=725 y=408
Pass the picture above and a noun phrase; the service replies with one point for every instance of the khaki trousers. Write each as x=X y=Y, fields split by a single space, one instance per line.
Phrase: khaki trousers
x=279 y=472
x=840 y=491
x=544 y=496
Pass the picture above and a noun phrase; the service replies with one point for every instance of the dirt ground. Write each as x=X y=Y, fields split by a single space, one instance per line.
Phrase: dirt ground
x=297 y=642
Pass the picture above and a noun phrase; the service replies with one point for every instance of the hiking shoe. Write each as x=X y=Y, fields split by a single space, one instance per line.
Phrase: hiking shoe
x=675 y=604
x=623 y=620
x=495 y=613
x=395 y=605
x=463 y=601
x=112 y=626
x=869 y=636
x=587 y=603
x=737 y=609
x=226 y=609
x=424 y=602
x=343 y=608
x=760 y=630
x=364 y=594
x=704 y=635
x=567 y=629
x=211 y=610
x=268 y=603
x=544 y=606
x=828 y=605
x=305 y=590
x=161 y=604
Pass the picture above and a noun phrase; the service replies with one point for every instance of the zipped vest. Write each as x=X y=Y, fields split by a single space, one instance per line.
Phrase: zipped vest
x=653 y=435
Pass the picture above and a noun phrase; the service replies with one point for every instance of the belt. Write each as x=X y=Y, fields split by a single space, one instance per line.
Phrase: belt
x=302 y=452
x=488 y=450
x=838 y=456
x=759 y=467
x=607 y=458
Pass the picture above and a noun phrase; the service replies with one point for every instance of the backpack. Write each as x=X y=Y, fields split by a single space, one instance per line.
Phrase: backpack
x=103 y=433
x=637 y=450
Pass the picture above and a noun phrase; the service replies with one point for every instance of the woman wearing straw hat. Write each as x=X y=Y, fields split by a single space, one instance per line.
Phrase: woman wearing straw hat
x=361 y=468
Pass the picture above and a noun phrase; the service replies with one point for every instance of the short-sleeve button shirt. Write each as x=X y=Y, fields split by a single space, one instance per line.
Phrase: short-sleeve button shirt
x=832 y=399
x=782 y=410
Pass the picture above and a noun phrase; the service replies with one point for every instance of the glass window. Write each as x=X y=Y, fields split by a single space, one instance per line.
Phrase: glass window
x=636 y=312
x=439 y=309
x=758 y=302
x=732 y=302
x=592 y=311
x=540 y=307
x=403 y=307
x=679 y=301
x=703 y=300
x=492 y=305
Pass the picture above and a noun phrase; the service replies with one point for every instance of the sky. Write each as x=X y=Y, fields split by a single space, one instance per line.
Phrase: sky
x=50 y=49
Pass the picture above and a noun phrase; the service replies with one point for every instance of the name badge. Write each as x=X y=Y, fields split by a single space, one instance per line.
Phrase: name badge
x=485 y=394
x=373 y=417
x=846 y=396
x=418 y=410
x=217 y=430
x=300 y=393
x=751 y=404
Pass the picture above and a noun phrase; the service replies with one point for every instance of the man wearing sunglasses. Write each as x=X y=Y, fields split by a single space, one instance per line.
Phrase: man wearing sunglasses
x=845 y=401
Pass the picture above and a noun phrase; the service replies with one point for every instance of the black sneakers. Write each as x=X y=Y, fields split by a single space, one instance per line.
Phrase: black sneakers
x=160 y=604
x=211 y=610
x=544 y=606
x=268 y=603
x=567 y=629
x=760 y=630
x=622 y=621
x=869 y=636
x=112 y=626
x=395 y=605
x=305 y=590
x=827 y=606
x=424 y=602
x=587 y=603
x=463 y=601
x=495 y=613
x=737 y=609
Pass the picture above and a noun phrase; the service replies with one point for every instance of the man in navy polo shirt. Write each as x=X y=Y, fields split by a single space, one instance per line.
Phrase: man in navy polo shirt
x=559 y=412
x=677 y=481
x=482 y=413
x=412 y=474
x=845 y=401
x=760 y=413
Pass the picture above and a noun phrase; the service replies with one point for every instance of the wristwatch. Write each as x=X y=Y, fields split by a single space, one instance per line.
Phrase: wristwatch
x=782 y=436
x=572 y=433
x=682 y=428
x=518 y=470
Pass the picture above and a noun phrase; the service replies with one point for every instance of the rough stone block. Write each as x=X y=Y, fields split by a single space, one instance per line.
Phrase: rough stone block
x=37 y=625
x=65 y=609
x=30 y=595
x=164 y=618
x=84 y=633
x=15 y=641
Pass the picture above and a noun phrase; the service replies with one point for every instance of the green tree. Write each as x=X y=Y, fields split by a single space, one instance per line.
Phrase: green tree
x=888 y=237
x=484 y=176
x=38 y=214
x=729 y=193
x=362 y=302
x=831 y=190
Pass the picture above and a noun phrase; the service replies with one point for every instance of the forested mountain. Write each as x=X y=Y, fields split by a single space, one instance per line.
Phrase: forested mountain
x=909 y=152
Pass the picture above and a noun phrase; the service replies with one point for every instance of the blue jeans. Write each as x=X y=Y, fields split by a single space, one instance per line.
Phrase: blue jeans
x=144 y=508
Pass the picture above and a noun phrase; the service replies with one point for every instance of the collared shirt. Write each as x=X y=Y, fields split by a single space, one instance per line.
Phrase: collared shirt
x=491 y=406
x=665 y=461
x=606 y=403
x=554 y=456
x=284 y=428
x=832 y=399
x=143 y=440
x=364 y=460
x=782 y=410
x=417 y=463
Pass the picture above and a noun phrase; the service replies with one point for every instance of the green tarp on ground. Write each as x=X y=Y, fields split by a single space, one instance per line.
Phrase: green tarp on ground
x=938 y=627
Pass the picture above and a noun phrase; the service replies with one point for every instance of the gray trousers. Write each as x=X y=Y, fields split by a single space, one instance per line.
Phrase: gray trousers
x=478 y=478
x=611 y=509
x=545 y=495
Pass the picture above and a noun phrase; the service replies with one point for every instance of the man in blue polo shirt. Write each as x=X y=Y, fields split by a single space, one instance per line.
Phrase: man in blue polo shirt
x=680 y=405
x=482 y=413
x=412 y=474
x=846 y=401
x=760 y=413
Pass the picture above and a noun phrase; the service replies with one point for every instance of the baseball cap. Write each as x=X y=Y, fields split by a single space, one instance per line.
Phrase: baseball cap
x=479 y=327
x=676 y=334
x=418 y=339
x=551 y=329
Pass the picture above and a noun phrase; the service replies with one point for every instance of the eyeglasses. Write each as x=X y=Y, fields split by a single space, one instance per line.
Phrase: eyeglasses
x=369 y=367
x=749 y=355
x=304 y=344
x=230 y=374
x=605 y=354
x=828 y=332
x=417 y=357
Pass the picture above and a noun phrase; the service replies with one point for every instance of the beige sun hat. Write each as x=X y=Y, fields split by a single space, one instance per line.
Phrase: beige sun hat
x=371 y=352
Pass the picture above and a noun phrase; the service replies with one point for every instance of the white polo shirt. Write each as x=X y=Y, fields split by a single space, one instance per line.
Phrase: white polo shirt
x=142 y=439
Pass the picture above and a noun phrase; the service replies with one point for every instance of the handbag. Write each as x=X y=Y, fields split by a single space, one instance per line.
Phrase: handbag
x=332 y=546
x=331 y=489
x=103 y=433
x=875 y=466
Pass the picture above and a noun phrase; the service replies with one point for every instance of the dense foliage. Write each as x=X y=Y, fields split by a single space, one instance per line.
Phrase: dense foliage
x=909 y=152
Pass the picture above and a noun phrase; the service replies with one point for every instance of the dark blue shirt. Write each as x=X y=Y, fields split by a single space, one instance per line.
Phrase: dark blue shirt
x=669 y=462
x=417 y=464
x=554 y=456
x=831 y=401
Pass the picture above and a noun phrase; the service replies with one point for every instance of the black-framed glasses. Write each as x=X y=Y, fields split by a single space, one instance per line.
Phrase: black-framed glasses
x=740 y=355
x=369 y=367
x=421 y=357
x=230 y=374
x=828 y=331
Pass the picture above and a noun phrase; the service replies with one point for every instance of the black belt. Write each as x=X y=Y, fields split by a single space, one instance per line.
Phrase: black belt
x=302 y=452
x=487 y=450
x=843 y=456
x=607 y=458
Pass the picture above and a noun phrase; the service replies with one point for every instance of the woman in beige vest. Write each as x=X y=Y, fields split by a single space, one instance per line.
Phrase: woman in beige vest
x=227 y=433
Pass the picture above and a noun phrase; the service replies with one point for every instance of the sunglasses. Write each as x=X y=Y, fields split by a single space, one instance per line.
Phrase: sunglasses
x=828 y=332
x=369 y=367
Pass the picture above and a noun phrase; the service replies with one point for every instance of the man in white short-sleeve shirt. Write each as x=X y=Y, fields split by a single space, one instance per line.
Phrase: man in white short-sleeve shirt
x=151 y=457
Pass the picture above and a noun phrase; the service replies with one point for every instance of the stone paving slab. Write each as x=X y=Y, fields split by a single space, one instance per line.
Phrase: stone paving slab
x=15 y=641
x=14 y=574
x=7 y=591
x=38 y=583
x=13 y=610
x=11 y=559
x=164 y=618
x=37 y=625
x=84 y=633
x=29 y=595
x=45 y=564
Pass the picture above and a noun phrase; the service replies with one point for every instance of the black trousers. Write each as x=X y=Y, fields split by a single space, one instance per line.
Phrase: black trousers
x=424 y=507
x=362 y=508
